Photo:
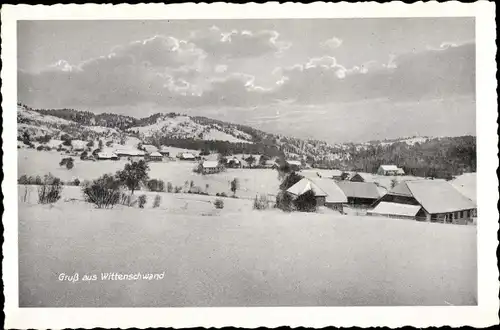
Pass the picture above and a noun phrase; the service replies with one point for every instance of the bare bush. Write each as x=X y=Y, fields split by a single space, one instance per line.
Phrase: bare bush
x=261 y=202
x=103 y=192
x=50 y=190
x=219 y=203
x=156 y=185
x=142 y=201
x=170 y=187
x=157 y=201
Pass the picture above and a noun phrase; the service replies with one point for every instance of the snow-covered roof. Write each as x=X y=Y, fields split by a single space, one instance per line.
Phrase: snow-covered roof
x=187 y=155
x=396 y=209
x=294 y=162
x=389 y=167
x=359 y=189
x=436 y=196
x=155 y=154
x=467 y=185
x=106 y=155
x=320 y=187
x=210 y=164
x=130 y=152
x=149 y=148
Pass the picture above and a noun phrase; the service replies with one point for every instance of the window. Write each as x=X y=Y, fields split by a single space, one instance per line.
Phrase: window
x=468 y=213
x=462 y=213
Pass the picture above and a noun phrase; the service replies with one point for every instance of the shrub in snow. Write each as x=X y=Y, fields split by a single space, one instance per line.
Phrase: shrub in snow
x=157 y=201
x=284 y=202
x=142 y=201
x=260 y=202
x=50 y=190
x=156 y=185
x=219 y=203
x=170 y=187
x=103 y=192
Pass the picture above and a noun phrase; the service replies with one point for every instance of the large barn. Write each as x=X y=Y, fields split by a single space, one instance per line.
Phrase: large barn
x=434 y=201
x=360 y=193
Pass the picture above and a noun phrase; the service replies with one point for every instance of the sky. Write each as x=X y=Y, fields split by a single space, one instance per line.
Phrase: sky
x=267 y=73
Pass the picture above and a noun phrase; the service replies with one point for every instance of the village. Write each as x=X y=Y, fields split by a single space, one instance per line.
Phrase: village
x=387 y=193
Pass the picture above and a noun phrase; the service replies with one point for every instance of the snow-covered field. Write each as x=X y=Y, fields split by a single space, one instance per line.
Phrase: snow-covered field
x=237 y=257
x=252 y=181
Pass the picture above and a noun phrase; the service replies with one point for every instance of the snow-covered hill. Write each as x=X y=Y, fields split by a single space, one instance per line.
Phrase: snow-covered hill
x=182 y=127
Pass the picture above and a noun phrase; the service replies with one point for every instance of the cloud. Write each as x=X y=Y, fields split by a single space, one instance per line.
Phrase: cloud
x=332 y=43
x=239 y=44
x=414 y=76
x=169 y=71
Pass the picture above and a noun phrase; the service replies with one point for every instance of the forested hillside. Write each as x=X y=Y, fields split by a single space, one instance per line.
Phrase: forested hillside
x=421 y=156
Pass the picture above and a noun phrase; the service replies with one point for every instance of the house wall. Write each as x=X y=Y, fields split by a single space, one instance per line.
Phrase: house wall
x=357 y=178
x=458 y=217
x=320 y=201
x=335 y=206
x=360 y=201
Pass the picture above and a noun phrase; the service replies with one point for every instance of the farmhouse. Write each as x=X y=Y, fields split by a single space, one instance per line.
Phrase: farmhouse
x=327 y=192
x=330 y=174
x=164 y=151
x=107 y=156
x=438 y=200
x=360 y=193
x=131 y=153
x=295 y=165
x=390 y=170
x=233 y=162
x=154 y=157
x=210 y=167
x=149 y=148
x=186 y=156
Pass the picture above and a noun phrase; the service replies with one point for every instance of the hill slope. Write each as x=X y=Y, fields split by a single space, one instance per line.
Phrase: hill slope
x=424 y=156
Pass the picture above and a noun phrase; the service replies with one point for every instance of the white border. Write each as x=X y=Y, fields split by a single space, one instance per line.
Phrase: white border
x=484 y=314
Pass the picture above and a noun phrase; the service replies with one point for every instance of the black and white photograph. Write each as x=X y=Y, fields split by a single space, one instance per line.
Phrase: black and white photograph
x=248 y=162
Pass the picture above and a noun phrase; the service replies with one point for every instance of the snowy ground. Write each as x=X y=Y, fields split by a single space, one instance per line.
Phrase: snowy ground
x=238 y=256
x=252 y=181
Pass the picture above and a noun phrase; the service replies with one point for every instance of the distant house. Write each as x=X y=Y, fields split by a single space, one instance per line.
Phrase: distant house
x=330 y=174
x=154 y=157
x=390 y=170
x=210 y=167
x=360 y=193
x=360 y=177
x=270 y=164
x=327 y=192
x=186 y=156
x=438 y=201
x=295 y=165
x=233 y=162
x=130 y=153
x=149 y=148
x=164 y=151
x=107 y=156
